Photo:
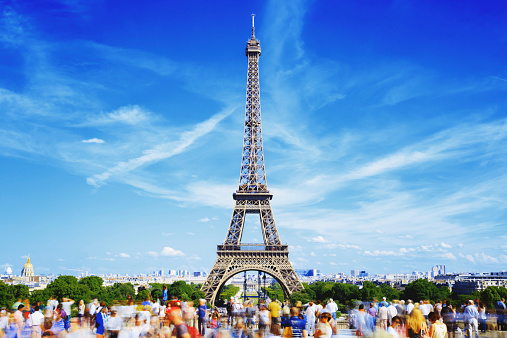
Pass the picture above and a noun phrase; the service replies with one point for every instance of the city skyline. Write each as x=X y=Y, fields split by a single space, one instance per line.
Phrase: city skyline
x=384 y=129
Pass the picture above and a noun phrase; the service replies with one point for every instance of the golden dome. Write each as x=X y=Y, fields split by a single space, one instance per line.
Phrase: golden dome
x=28 y=264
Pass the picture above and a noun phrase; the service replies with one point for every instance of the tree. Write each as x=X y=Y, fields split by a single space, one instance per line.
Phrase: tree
x=490 y=296
x=389 y=292
x=370 y=291
x=64 y=286
x=94 y=283
x=6 y=296
x=421 y=289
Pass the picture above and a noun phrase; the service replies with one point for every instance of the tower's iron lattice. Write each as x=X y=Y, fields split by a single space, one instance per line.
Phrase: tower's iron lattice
x=252 y=196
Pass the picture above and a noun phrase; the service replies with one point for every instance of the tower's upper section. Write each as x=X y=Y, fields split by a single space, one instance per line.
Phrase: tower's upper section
x=253 y=46
x=252 y=178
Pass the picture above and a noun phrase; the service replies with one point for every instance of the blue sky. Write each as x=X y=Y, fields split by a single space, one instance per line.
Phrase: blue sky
x=384 y=125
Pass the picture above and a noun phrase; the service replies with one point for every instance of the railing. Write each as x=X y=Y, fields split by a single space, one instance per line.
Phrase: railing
x=253 y=247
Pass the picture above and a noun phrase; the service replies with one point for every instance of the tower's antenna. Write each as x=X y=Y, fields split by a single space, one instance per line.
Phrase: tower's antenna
x=253 y=25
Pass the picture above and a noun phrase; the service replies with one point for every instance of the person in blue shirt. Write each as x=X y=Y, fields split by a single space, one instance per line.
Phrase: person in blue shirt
x=202 y=312
x=297 y=324
x=500 y=314
x=164 y=294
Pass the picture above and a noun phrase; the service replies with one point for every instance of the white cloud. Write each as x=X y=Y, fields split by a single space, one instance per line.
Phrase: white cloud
x=93 y=140
x=313 y=254
x=167 y=251
x=444 y=245
x=448 y=255
x=470 y=258
x=190 y=233
x=167 y=234
x=124 y=255
x=152 y=253
x=482 y=257
x=318 y=239
x=205 y=219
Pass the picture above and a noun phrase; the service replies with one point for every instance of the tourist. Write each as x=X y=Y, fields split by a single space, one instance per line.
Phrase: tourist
x=409 y=307
x=274 y=316
x=471 y=319
x=202 y=312
x=180 y=329
x=482 y=316
x=66 y=304
x=58 y=325
x=101 y=319
x=164 y=294
x=113 y=324
x=264 y=322
x=80 y=313
x=332 y=307
x=36 y=322
x=448 y=315
x=382 y=316
x=372 y=320
x=394 y=326
x=361 y=320
x=500 y=314
x=437 y=328
x=401 y=308
x=318 y=309
x=391 y=313
x=297 y=325
x=323 y=328
x=310 y=318
x=416 y=324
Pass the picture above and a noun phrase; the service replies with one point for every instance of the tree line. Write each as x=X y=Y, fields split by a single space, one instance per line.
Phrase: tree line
x=89 y=288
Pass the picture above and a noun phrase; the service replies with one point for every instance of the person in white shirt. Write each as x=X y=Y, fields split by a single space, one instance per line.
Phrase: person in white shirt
x=393 y=328
x=391 y=313
x=410 y=306
x=318 y=309
x=310 y=318
x=36 y=321
x=113 y=325
x=332 y=308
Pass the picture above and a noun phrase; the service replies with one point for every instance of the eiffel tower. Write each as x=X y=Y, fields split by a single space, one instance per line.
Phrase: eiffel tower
x=252 y=196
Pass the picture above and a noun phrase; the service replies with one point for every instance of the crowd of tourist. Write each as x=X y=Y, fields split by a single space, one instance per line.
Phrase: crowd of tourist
x=242 y=319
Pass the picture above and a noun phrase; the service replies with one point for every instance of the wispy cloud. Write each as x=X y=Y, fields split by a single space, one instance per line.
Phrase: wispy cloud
x=160 y=152
x=93 y=140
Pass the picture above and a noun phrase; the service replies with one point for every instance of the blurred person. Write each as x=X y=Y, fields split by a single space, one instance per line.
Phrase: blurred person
x=37 y=322
x=416 y=324
x=113 y=324
x=372 y=319
x=409 y=307
x=401 y=308
x=323 y=328
x=448 y=315
x=392 y=329
x=382 y=316
x=310 y=318
x=229 y=308
x=264 y=322
x=48 y=324
x=332 y=307
x=250 y=315
x=63 y=314
x=482 y=316
x=146 y=304
x=425 y=308
x=58 y=325
x=274 y=316
x=500 y=314
x=318 y=309
x=4 y=321
x=202 y=312
x=391 y=313
x=239 y=330
x=17 y=304
x=18 y=318
x=26 y=310
x=66 y=304
x=298 y=325
x=180 y=329
x=438 y=307
x=164 y=294
x=384 y=302
x=437 y=328
x=101 y=320
x=471 y=319
x=80 y=313
x=361 y=320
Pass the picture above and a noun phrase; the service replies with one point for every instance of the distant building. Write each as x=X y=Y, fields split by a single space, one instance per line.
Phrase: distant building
x=437 y=270
x=363 y=274
x=354 y=273
x=27 y=269
x=307 y=272
x=466 y=284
